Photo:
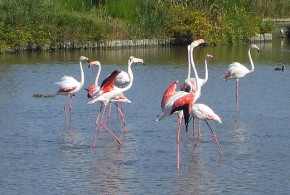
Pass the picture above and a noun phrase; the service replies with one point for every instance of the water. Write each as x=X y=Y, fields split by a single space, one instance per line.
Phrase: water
x=43 y=154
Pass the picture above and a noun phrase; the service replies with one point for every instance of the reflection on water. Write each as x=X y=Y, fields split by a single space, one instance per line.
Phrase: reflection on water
x=43 y=154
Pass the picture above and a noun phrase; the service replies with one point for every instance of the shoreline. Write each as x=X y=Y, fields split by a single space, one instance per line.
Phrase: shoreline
x=114 y=44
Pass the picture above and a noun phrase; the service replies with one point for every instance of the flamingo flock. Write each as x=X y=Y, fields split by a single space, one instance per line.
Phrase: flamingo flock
x=181 y=103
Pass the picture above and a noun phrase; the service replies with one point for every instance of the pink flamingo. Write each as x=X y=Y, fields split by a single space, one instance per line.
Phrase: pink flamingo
x=120 y=98
x=237 y=71
x=69 y=86
x=180 y=102
x=204 y=113
x=109 y=91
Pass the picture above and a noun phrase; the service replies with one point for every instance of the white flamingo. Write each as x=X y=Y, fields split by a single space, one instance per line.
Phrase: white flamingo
x=237 y=71
x=68 y=85
x=204 y=113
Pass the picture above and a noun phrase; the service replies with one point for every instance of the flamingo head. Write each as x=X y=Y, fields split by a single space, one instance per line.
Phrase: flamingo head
x=208 y=56
x=94 y=63
x=83 y=58
x=197 y=43
x=137 y=60
x=253 y=46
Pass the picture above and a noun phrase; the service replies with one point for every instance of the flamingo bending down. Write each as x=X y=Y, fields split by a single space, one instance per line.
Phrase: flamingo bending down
x=69 y=86
x=108 y=91
x=237 y=71
x=204 y=113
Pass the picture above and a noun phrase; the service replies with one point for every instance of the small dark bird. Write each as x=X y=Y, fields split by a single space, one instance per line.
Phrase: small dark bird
x=280 y=69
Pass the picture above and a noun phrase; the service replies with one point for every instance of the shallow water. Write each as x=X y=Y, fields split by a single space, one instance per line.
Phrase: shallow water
x=44 y=154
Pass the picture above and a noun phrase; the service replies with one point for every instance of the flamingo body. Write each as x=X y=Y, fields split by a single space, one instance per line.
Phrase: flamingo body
x=203 y=112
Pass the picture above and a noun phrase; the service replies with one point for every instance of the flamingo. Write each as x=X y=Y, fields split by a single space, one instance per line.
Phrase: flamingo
x=237 y=71
x=180 y=102
x=108 y=91
x=190 y=83
x=123 y=77
x=204 y=113
x=69 y=86
x=93 y=89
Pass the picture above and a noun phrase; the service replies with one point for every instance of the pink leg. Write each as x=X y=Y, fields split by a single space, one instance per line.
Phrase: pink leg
x=178 y=141
x=122 y=117
x=197 y=139
x=193 y=126
x=96 y=127
x=237 y=95
x=215 y=138
x=117 y=139
x=108 y=116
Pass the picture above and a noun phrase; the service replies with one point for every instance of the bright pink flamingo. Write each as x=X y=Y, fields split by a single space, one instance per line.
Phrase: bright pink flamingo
x=69 y=86
x=109 y=91
x=237 y=71
x=181 y=102
x=93 y=89
x=104 y=97
x=204 y=113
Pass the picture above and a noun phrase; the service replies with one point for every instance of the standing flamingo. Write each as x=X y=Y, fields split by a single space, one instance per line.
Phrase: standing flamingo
x=123 y=77
x=190 y=83
x=180 y=102
x=69 y=86
x=92 y=89
x=108 y=92
x=204 y=113
x=237 y=71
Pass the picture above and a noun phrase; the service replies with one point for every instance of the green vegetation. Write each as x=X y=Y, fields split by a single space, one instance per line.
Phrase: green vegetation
x=48 y=22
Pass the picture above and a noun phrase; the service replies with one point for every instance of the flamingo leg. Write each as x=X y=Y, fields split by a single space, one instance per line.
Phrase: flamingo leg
x=237 y=95
x=193 y=126
x=117 y=139
x=108 y=116
x=122 y=117
x=96 y=127
x=178 y=141
x=197 y=139
x=215 y=138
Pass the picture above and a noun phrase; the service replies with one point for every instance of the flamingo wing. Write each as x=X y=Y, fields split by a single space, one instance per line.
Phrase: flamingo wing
x=108 y=84
x=168 y=93
x=68 y=84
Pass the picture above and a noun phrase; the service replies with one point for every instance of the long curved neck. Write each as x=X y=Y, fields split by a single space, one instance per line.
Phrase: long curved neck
x=195 y=75
x=130 y=73
x=82 y=74
x=205 y=71
x=251 y=61
x=189 y=66
x=98 y=75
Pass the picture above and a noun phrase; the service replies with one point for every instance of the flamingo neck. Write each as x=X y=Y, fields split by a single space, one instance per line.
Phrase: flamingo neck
x=98 y=75
x=189 y=66
x=205 y=70
x=130 y=73
x=82 y=75
x=194 y=70
x=251 y=61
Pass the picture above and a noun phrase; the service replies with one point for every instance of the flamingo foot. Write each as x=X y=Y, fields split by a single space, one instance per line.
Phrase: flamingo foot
x=117 y=139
